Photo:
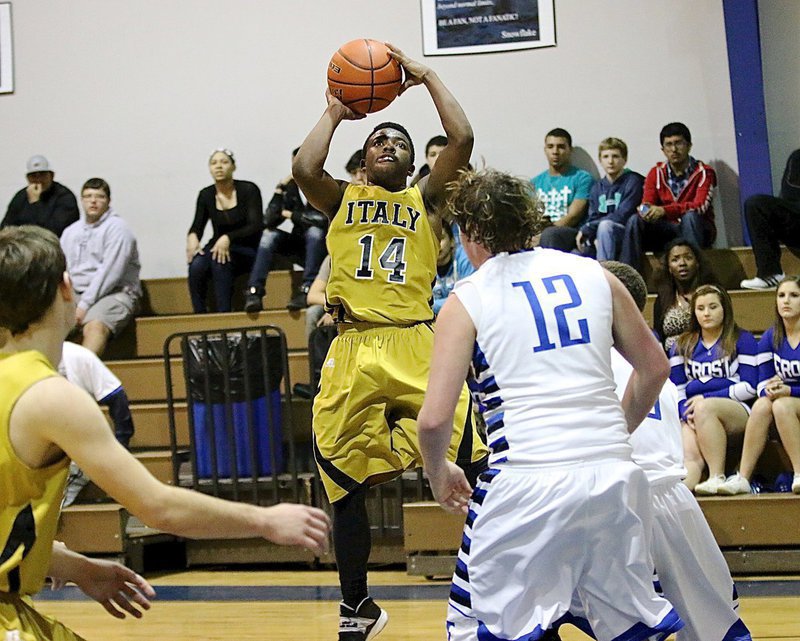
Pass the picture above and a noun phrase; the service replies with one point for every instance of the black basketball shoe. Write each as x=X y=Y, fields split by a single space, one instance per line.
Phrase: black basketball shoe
x=362 y=623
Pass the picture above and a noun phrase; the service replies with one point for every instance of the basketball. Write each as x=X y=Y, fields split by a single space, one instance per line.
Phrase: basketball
x=364 y=76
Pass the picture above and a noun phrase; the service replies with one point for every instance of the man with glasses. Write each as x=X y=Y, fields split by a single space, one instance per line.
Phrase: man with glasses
x=44 y=202
x=677 y=200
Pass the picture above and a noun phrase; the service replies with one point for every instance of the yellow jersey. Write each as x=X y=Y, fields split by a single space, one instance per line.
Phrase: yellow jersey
x=383 y=257
x=29 y=498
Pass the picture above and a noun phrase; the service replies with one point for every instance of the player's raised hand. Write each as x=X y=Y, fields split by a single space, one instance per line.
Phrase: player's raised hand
x=293 y=524
x=343 y=111
x=414 y=71
x=450 y=488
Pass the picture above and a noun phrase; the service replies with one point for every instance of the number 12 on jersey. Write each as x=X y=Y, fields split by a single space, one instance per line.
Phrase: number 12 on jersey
x=558 y=311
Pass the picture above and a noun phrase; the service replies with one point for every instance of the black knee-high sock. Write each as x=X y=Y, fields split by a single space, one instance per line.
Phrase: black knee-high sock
x=351 y=544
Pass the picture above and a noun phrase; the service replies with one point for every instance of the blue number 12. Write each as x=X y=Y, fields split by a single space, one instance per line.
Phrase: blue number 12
x=559 y=311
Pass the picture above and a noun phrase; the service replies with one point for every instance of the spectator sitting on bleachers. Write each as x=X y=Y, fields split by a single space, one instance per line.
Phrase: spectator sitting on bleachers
x=293 y=229
x=772 y=221
x=234 y=208
x=103 y=263
x=83 y=368
x=44 y=202
x=778 y=391
x=451 y=266
x=612 y=200
x=714 y=368
x=564 y=191
x=677 y=200
x=355 y=168
x=432 y=150
x=683 y=269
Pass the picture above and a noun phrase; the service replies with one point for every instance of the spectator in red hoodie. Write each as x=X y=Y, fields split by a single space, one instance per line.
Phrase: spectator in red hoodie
x=676 y=200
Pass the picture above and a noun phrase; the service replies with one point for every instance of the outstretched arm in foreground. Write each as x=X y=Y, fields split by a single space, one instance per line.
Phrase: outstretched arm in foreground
x=41 y=426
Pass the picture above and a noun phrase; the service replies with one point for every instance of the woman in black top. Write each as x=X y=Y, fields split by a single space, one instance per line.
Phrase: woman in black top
x=234 y=208
x=683 y=269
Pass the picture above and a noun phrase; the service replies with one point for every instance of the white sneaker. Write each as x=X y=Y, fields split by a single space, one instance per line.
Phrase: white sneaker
x=736 y=484
x=711 y=486
x=770 y=282
x=796 y=484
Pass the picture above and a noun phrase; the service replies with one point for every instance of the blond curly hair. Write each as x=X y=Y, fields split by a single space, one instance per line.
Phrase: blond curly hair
x=495 y=209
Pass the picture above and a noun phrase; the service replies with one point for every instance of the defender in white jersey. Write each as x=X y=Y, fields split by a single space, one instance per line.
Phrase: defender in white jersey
x=692 y=572
x=563 y=509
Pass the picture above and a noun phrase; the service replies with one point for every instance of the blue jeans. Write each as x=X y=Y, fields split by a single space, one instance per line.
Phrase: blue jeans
x=308 y=245
x=204 y=268
x=641 y=236
x=609 y=239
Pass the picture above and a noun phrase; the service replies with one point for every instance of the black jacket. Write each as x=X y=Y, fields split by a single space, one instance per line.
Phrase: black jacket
x=55 y=210
x=287 y=196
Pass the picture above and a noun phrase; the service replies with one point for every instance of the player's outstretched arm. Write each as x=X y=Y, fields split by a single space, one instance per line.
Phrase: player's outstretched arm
x=308 y=167
x=634 y=340
x=455 y=156
x=452 y=351
x=117 y=588
x=54 y=415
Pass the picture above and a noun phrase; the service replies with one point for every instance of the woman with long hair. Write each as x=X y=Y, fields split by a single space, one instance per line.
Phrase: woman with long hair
x=683 y=269
x=714 y=368
x=234 y=208
x=778 y=391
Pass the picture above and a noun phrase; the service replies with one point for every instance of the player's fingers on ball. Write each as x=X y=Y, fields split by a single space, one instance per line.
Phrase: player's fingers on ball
x=395 y=51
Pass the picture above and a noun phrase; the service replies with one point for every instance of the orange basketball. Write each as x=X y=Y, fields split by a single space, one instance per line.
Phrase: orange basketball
x=364 y=76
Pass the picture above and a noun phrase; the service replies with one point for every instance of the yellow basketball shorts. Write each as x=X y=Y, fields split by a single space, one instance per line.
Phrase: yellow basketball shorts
x=371 y=390
x=19 y=621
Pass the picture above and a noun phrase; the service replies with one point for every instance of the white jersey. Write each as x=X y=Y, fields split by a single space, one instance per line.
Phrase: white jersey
x=543 y=358
x=82 y=367
x=657 y=444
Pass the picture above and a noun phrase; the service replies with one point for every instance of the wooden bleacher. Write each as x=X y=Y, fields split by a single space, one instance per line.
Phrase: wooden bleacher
x=101 y=527
x=136 y=357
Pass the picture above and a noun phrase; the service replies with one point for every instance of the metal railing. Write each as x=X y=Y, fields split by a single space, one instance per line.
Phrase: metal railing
x=243 y=441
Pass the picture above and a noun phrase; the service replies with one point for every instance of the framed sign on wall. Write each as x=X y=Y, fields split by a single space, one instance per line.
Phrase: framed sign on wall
x=6 y=50
x=480 y=26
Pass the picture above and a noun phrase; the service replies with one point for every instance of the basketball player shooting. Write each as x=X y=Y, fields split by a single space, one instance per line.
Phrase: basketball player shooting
x=383 y=242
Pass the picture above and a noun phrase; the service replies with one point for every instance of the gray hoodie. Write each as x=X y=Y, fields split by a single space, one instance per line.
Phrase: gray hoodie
x=102 y=258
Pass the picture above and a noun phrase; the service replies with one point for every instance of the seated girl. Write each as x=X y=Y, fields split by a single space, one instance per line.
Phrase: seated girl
x=714 y=368
x=778 y=391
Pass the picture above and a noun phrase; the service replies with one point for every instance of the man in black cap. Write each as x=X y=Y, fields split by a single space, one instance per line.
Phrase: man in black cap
x=44 y=202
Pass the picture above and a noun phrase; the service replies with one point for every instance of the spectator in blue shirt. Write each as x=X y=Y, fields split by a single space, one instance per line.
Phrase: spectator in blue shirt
x=451 y=266
x=564 y=191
